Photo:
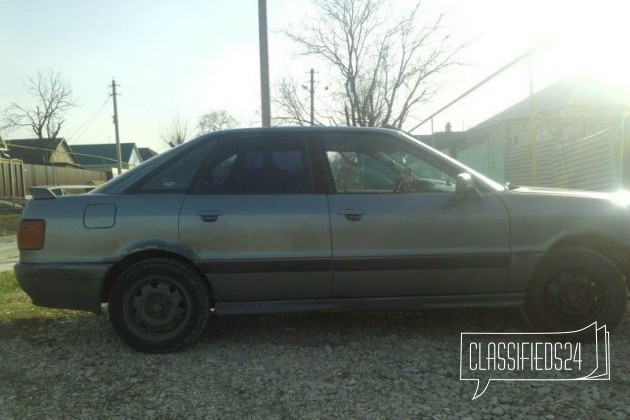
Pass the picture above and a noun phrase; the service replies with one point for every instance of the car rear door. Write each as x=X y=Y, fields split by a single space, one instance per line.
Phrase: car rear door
x=258 y=228
x=390 y=240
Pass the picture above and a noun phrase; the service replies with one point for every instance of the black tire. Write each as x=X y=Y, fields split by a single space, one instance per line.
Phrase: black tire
x=573 y=288
x=159 y=305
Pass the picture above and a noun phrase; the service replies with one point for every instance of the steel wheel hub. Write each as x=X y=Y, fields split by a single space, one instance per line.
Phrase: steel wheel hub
x=157 y=307
x=575 y=296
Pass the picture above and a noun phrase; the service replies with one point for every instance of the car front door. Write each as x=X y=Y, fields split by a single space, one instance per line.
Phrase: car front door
x=400 y=229
x=256 y=225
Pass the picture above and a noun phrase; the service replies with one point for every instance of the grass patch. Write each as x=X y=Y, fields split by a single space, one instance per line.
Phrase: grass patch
x=9 y=224
x=15 y=305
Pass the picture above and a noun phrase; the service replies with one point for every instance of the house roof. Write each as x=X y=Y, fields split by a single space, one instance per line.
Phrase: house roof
x=565 y=97
x=37 y=151
x=443 y=140
x=146 y=153
x=103 y=154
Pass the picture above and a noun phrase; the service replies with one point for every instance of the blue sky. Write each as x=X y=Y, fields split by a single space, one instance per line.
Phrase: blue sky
x=189 y=57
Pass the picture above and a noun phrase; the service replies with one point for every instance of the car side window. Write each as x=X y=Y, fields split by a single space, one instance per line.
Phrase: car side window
x=379 y=166
x=260 y=166
x=221 y=170
x=177 y=176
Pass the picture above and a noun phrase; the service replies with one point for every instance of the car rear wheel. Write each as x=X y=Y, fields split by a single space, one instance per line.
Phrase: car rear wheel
x=159 y=305
x=573 y=288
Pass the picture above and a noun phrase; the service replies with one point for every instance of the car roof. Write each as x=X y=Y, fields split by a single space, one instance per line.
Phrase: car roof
x=304 y=129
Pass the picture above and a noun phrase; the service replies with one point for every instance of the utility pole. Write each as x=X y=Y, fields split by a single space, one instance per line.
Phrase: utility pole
x=312 y=97
x=265 y=99
x=115 y=117
x=532 y=128
x=311 y=89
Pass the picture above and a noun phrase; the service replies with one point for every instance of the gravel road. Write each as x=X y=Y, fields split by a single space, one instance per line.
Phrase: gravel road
x=331 y=365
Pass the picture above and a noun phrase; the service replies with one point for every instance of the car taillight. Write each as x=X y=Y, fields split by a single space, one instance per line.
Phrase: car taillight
x=31 y=234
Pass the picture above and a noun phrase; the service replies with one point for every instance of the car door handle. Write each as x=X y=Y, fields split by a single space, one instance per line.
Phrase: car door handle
x=209 y=216
x=353 y=215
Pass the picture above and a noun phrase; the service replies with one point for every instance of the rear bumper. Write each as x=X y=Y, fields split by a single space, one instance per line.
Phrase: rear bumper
x=68 y=286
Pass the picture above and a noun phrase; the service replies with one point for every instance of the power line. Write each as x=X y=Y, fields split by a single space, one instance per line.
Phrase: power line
x=526 y=54
x=43 y=149
x=83 y=128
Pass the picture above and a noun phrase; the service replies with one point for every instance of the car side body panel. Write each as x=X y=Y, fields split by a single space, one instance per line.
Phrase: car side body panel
x=419 y=244
x=396 y=303
x=70 y=271
x=261 y=246
x=543 y=218
x=139 y=218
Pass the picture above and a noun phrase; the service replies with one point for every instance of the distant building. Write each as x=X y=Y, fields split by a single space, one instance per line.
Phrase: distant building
x=146 y=153
x=104 y=156
x=570 y=135
x=446 y=141
x=42 y=152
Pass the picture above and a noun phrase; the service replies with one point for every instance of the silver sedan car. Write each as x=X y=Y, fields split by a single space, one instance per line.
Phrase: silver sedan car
x=296 y=219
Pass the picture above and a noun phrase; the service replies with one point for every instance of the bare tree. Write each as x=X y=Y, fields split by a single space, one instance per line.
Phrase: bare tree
x=292 y=105
x=175 y=133
x=215 y=121
x=384 y=68
x=52 y=100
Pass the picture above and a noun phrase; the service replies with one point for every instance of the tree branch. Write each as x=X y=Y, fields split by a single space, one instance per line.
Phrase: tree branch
x=385 y=66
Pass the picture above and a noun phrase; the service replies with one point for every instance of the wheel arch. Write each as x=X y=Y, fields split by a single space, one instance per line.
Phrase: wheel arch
x=117 y=269
x=599 y=243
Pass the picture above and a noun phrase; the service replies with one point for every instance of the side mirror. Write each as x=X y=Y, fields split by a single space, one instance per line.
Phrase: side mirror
x=465 y=186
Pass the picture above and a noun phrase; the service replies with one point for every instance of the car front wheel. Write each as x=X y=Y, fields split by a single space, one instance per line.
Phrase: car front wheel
x=159 y=305
x=573 y=288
